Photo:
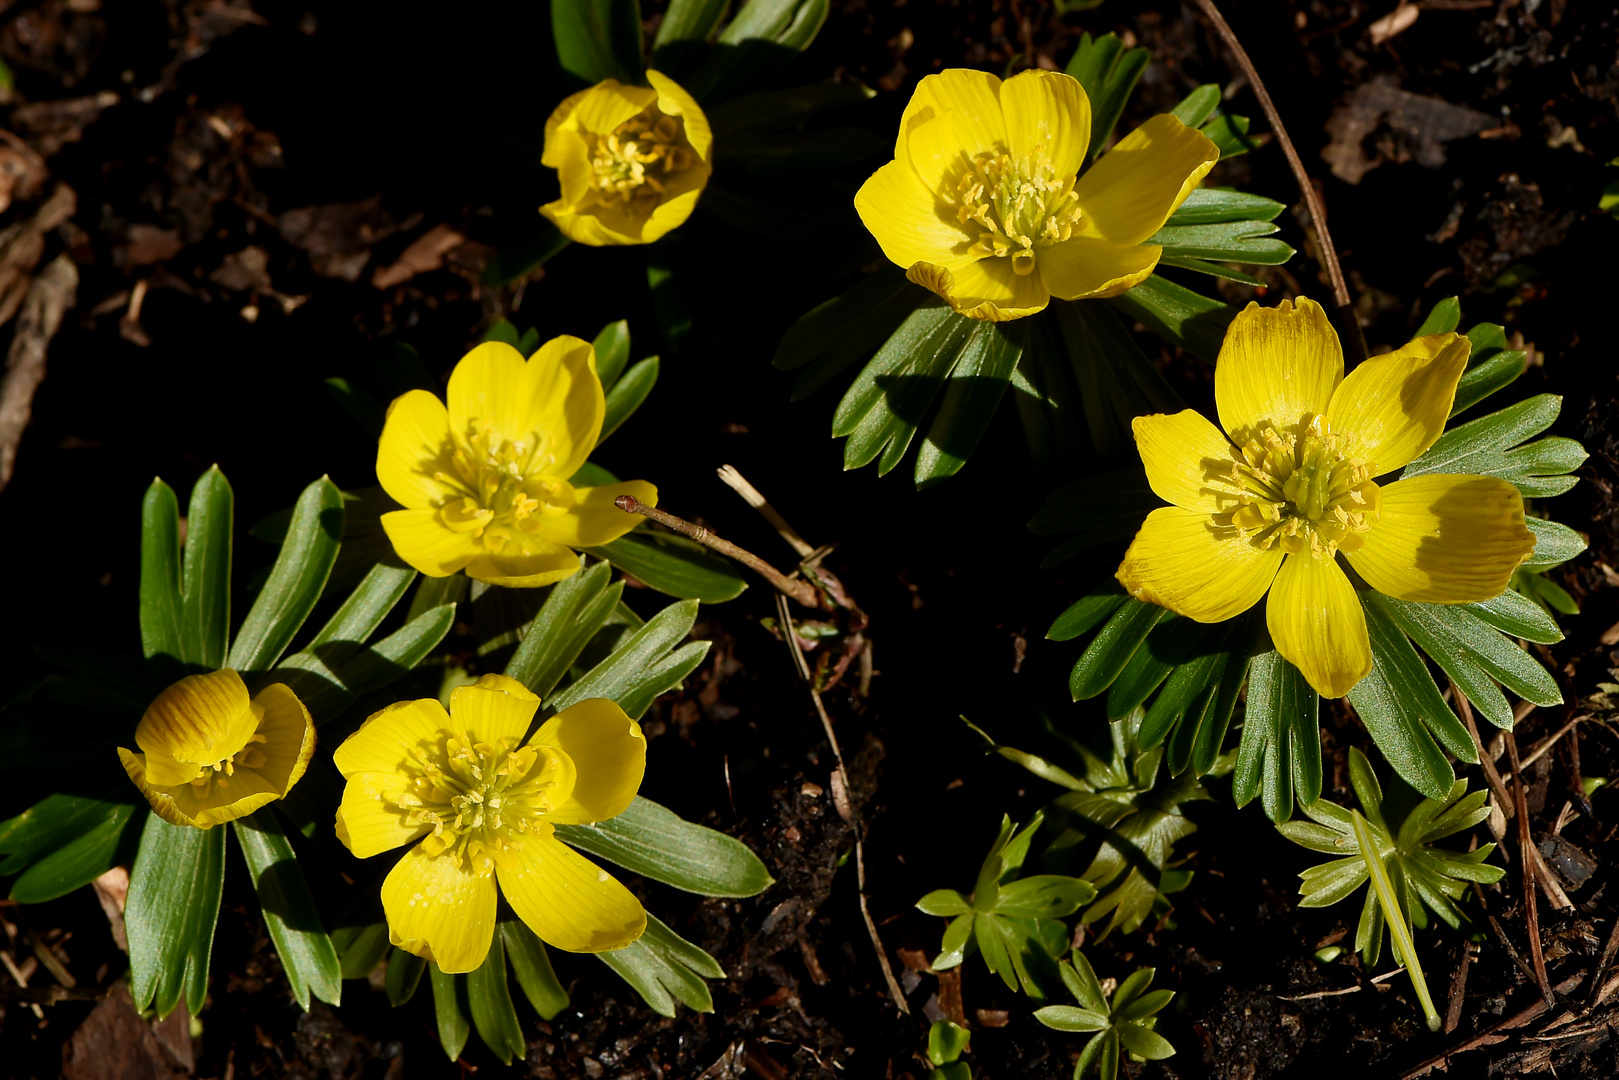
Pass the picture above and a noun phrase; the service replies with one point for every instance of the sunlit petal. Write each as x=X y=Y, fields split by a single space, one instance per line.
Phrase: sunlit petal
x=1184 y=561
x=1133 y=188
x=567 y=900
x=1445 y=539
x=1278 y=367
x=1318 y=625
x=1187 y=459
x=440 y=911
x=608 y=750
x=1085 y=268
x=1395 y=406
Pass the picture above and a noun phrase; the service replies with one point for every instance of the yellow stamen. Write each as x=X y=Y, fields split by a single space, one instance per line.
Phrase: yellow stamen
x=1020 y=211
x=1304 y=493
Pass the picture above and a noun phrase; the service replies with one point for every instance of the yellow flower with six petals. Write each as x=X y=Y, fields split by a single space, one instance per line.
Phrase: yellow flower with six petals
x=1271 y=507
x=482 y=803
x=485 y=481
x=981 y=203
x=210 y=754
x=632 y=161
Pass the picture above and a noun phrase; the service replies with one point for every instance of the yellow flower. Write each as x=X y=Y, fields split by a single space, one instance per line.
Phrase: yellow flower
x=981 y=204
x=484 y=482
x=632 y=161
x=483 y=807
x=1271 y=507
x=210 y=755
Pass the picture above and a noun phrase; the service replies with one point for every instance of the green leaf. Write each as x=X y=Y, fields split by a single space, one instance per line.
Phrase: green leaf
x=644 y=666
x=1280 y=752
x=502 y=330
x=596 y=40
x=1108 y=72
x=972 y=393
x=525 y=248
x=1088 y=611
x=532 y=966
x=665 y=968
x=357 y=619
x=404 y=975
x=688 y=20
x=1110 y=651
x=360 y=948
x=764 y=36
x=1403 y=711
x=1490 y=367
x=1473 y=653
x=491 y=1004
x=1515 y=614
x=170 y=913
x=1071 y=1018
x=296 y=581
x=1145 y=1043
x=1209 y=206
x=1226 y=241
x=1171 y=643
x=453 y=1028
x=612 y=348
x=946 y=1042
x=1405 y=949
x=675 y=566
x=1213 y=269
x=60 y=844
x=1098 y=510
x=327 y=690
x=1554 y=544
x=1443 y=318
x=627 y=395
x=1197 y=106
x=880 y=412
x=1230 y=135
x=1043 y=896
x=1484 y=447
x=780 y=110
x=161 y=598
x=205 y=609
x=946 y=902
x=577 y=608
x=290 y=915
x=1178 y=315
x=657 y=843
x=788 y=152
x=843 y=329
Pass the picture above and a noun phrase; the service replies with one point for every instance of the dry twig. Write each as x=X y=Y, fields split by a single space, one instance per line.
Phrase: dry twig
x=799 y=590
x=50 y=294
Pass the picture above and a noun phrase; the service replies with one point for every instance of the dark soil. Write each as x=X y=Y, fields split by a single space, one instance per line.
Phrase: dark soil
x=242 y=169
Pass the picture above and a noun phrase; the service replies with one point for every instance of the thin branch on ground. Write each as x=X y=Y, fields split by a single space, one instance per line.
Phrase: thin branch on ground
x=50 y=294
x=799 y=590
x=1344 y=314
x=1527 y=850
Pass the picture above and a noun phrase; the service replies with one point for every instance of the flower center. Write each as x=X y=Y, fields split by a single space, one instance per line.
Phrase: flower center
x=1306 y=493
x=482 y=798
x=503 y=485
x=248 y=757
x=1016 y=210
x=635 y=159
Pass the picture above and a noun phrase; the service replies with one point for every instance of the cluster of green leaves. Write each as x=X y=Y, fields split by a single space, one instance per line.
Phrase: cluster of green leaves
x=947 y=1041
x=1189 y=676
x=1391 y=841
x=935 y=379
x=1012 y=922
x=1127 y=1021
x=1120 y=813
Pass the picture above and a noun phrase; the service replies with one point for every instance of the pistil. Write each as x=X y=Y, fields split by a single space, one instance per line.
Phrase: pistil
x=1307 y=493
x=635 y=160
x=1017 y=211
x=481 y=799
x=501 y=486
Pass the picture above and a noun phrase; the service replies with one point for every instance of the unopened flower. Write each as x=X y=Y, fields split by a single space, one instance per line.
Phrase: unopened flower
x=981 y=203
x=209 y=754
x=482 y=803
x=1272 y=503
x=632 y=161
x=485 y=483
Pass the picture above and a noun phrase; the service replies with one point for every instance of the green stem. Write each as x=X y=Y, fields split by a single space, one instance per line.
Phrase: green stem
x=1405 y=949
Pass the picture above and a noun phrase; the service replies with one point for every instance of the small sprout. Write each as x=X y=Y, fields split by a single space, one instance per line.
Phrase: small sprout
x=1329 y=954
x=946 y=1043
x=1129 y=1020
x=1013 y=922
x=1591 y=784
x=1409 y=877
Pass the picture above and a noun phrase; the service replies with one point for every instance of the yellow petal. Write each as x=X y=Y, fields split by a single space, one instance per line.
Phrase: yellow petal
x=1085 y=268
x=552 y=156
x=1184 y=561
x=1181 y=453
x=972 y=96
x=986 y=289
x=905 y=218
x=199 y=720
x=588 y=228
x=370 y=819
x=938 y=156
x=672 y=212
x=1278 y=366
x=525 y=570
x=1318 y=625
x=594 y=520
x=674 y=101
x=1445 y=539
x=1048 y=119
x=565 y=899
x=179 y=804
x=1395 y=406
x=421 y=538
x=385 y=742
x=414 y=449
x=289 y=737
x=609 y=752
x=1133 y=188
x=493 y=389
x=440 y=911
x=600 y=109
x=490 y=711
x=570 y=403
